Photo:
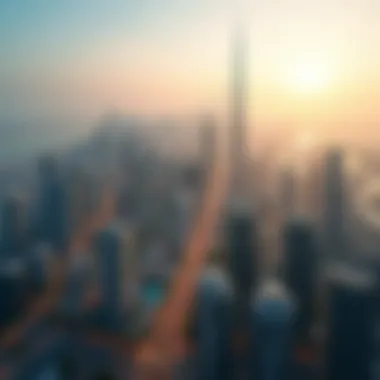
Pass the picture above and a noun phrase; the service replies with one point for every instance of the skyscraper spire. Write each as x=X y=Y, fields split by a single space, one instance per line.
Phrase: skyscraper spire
x=238 y=133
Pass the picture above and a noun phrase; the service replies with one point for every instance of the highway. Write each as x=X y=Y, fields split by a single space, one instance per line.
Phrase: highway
x=156 y=357
x=166 y=342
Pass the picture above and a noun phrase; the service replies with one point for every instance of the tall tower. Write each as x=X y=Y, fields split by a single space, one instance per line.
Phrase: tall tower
x=273 y=312
x=350 y=341
x=238 y=133
x=300 y=266
x=13 y=229
x=53 y=218
x=334 y=204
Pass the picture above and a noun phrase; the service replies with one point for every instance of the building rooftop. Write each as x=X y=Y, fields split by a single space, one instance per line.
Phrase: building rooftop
x=274 y=289
x=350 y=276
x=273 y=301
x=215 y=277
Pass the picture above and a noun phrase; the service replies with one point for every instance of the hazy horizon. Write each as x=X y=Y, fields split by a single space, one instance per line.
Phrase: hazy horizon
x=312 y=66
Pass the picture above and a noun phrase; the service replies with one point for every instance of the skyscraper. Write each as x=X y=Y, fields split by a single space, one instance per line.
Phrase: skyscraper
x=81 y=194
x=213 y=326
x=350 y=339
x=13 y=291
x=300 y=270
x=238 y=134
x=113 y=249
x=334 y=204
x=242 y=258
x=273 y=316
x=53 y=216
x=241 y=246
x=13 y=228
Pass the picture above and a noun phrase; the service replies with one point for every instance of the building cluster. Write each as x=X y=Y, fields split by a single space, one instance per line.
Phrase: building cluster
x=314 y=314
x=108 y=218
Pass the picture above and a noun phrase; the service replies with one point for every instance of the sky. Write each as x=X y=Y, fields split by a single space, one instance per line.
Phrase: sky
x=313 y=64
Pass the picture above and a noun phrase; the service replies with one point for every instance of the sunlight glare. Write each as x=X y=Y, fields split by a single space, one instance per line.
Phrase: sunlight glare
x=308 y=77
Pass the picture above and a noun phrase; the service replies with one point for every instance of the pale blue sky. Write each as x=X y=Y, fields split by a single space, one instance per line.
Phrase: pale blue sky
x=71 y=59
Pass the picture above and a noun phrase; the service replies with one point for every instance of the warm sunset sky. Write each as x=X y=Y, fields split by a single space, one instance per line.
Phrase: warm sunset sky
x=312 y=63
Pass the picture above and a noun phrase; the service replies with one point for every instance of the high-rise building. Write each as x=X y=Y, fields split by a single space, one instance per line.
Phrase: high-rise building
x=334 y=204
x=13 y=226
x=13 y=290
x=242 y=260
x=241 y=246
x=213 y=326
x=48 y=168
x=81 y=194
x=53 y=213
x=115 y=253
x=300 y=272
x=273 y=316
x=238 y=134
x=350 y=338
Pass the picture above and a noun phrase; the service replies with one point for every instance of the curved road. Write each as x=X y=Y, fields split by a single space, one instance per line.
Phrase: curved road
x=155 y=358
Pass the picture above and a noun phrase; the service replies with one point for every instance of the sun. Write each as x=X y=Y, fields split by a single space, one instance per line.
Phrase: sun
x=308 y=77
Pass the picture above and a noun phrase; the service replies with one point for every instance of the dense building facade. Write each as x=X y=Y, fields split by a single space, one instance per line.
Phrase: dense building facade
x=350 y=340
x=300 y=268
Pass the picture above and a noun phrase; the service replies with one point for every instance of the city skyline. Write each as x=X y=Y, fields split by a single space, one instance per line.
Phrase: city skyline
x=74 y=61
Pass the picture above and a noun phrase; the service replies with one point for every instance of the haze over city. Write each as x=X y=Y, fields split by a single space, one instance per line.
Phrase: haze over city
x=189 y=190
x=313 y=65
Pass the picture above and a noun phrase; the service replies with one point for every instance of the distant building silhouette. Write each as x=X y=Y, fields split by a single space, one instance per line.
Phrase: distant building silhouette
x=13 y=227
x=48 y=168
x=53 y=215
x=241 y=246
x=350 y=340
x=81 y=195
x=13 y=290
x=242 y=260
x=238 y=134
x=112 y=250
x=300 y=272
x=213 y=326
x=334 y=204
x=273 y=318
